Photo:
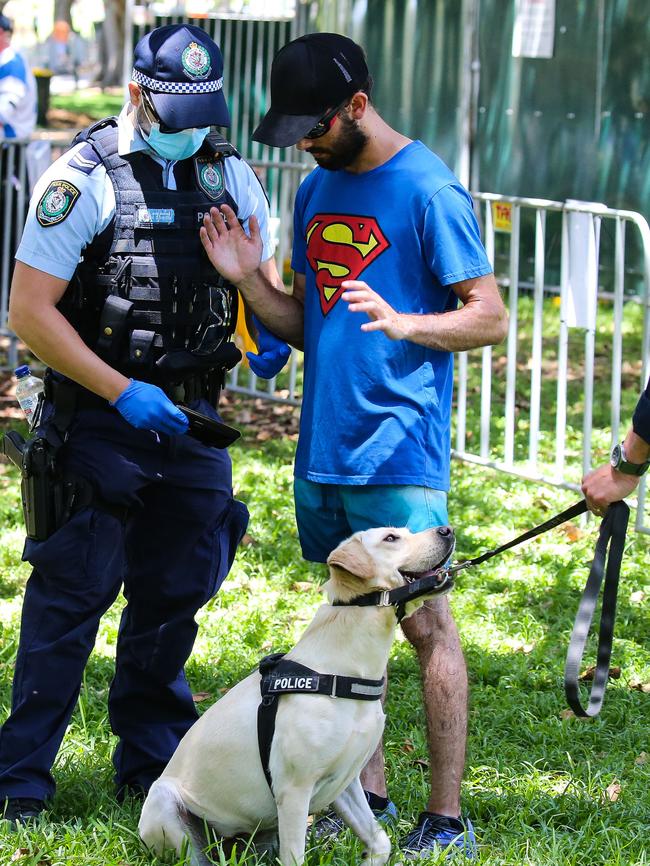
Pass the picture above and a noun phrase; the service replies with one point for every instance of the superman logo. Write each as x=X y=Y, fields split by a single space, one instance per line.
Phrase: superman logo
x=340 y=247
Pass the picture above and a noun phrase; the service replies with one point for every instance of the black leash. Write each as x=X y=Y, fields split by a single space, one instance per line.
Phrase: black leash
x=612 y=533
x=568 y=514
x=442 y=579
x=612 y=528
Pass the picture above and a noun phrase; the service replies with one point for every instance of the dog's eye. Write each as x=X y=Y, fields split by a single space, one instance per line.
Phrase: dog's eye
x=390 y=537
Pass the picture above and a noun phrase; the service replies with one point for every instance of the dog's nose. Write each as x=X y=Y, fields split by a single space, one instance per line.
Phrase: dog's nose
x=445 y=531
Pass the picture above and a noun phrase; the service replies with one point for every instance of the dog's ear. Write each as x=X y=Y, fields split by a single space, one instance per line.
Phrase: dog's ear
x=352 y=557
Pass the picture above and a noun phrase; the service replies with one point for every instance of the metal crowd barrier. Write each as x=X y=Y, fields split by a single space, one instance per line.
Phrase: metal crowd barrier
x=540 y=397
x=21 y=163
x=14 y=197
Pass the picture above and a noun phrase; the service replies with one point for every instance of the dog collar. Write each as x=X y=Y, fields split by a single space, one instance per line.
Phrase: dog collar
x=441 y=580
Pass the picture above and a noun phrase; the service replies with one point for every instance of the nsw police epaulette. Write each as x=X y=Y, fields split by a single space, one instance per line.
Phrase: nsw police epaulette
x=85 y=160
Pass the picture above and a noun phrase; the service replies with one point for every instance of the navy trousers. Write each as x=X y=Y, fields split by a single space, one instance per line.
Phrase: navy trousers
x=170 y=554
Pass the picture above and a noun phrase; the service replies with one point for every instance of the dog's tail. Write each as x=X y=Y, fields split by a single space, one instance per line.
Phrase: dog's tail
x=166 y=823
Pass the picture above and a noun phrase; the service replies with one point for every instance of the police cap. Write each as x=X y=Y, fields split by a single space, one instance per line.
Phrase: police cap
x=182 y=68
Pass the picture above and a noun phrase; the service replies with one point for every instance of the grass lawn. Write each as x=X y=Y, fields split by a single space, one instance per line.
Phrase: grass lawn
x=91 y=101
x=542 y=787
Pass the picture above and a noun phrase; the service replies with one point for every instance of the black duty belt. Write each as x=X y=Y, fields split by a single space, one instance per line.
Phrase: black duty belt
x=282 y=676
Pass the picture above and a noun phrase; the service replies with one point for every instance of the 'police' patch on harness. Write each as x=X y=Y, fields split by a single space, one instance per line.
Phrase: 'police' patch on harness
x=295 y=683
x=209 y=176
x=155 y=217
x=56 y=203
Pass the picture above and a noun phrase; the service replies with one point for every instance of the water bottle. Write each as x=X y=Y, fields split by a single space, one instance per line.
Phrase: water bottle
x=28 y=391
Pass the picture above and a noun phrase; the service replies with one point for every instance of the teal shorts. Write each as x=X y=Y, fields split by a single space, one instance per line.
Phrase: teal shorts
x=326 y=514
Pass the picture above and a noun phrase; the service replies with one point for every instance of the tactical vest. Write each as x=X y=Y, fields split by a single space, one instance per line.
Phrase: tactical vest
x=145 y=296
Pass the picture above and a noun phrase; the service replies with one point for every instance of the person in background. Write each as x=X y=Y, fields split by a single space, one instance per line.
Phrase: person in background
x=17 y=88
x=63 y=50
x=629 y=460
x=113 y=291
x=385 y=246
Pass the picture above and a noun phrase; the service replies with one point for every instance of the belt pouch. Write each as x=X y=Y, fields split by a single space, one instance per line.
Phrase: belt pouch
x=140 y=343
x=112 y=326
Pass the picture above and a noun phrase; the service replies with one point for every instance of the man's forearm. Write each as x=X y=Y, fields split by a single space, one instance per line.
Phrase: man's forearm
x=637 y=450
x=474 y=325
x=281 y=313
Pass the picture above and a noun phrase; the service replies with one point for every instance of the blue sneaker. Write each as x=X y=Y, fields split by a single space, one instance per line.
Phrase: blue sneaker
x=331 y=825
x=439 y=833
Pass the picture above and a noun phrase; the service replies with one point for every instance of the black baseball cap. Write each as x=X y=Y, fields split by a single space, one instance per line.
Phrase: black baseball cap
x=182 y=69
x=6 y=23
x=309 y=76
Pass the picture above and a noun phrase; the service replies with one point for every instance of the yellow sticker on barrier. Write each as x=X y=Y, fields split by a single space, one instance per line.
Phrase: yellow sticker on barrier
x=502 y=216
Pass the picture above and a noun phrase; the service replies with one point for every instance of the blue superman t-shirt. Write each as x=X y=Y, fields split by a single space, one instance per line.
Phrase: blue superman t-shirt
x=377 y=411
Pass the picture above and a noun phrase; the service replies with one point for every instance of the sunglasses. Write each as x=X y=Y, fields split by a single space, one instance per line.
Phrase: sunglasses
x=152 y=115
x=325 y=123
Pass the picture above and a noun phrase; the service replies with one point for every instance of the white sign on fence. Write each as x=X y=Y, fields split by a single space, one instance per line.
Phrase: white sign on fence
x=534 y=28
x=582 y=295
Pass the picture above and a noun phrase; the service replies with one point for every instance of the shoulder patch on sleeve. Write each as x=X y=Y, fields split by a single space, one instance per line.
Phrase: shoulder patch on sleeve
x=85 y=160
x=56 y=203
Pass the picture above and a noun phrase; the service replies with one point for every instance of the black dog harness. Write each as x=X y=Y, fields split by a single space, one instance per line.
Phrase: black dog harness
x=282 y=676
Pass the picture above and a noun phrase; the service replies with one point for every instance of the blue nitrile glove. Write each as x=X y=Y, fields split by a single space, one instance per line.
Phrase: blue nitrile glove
x=147 y=407
x=273 y=353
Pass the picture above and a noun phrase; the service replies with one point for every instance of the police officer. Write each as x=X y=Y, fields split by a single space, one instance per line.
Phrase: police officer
x=113 y=291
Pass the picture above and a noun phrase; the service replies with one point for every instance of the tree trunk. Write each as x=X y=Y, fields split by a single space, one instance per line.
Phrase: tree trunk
x=112 y=39
x=62 y=11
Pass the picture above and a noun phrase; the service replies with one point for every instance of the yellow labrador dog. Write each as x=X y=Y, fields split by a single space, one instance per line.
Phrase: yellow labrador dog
x=320 y=743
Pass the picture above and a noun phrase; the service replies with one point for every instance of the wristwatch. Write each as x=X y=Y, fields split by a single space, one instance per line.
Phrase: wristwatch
x=620 y=462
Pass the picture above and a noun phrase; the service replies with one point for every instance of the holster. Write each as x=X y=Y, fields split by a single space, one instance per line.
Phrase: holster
x=44 y=493
x=48 y=495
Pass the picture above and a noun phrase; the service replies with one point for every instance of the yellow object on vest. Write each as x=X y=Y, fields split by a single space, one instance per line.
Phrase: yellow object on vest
x=243 y=340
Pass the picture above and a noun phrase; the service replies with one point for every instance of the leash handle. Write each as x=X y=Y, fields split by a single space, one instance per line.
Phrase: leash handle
x=612 y=533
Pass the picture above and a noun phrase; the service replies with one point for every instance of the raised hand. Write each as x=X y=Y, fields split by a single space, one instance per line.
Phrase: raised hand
x=362 y=299
x=233 y=253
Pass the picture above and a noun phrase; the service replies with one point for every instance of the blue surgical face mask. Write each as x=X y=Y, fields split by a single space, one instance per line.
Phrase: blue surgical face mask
x=175 y=145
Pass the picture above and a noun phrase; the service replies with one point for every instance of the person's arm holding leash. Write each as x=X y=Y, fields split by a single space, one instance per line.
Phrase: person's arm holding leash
x=611 y=482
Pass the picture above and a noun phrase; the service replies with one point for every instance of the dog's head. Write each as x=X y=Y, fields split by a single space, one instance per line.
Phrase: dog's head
x=386 y=558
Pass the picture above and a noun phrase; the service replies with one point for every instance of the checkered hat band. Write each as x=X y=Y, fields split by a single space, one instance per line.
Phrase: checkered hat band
x=176 y=86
